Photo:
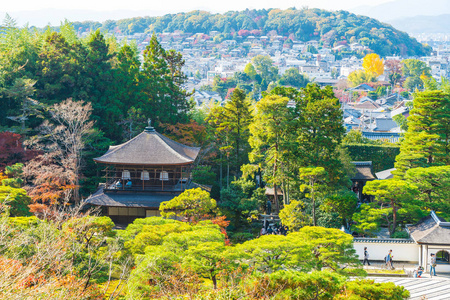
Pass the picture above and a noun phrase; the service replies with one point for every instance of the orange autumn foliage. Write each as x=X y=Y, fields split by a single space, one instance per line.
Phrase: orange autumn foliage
x=191 y=134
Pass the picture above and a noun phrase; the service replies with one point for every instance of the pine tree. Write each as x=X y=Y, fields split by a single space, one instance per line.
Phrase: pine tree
x=427 y=141
x=232 y=123
x=162 y=81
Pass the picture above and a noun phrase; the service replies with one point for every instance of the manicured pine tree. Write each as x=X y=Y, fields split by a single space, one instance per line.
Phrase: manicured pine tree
x=427 y=141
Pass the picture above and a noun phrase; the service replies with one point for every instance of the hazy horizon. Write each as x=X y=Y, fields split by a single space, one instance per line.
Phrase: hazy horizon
x=53 y=12
x=48 y=11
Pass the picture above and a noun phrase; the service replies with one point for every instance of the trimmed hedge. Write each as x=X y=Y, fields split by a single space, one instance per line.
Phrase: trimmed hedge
x=382 y=156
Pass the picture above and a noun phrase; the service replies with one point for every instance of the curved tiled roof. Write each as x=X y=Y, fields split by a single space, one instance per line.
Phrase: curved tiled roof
x=431 y=230
x=149 y=148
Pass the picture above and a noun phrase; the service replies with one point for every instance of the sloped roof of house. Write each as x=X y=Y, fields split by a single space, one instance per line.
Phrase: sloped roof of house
x=367 y=105
x=431 y=230
x=363 y=87
x=149 y=148
x=363 y=170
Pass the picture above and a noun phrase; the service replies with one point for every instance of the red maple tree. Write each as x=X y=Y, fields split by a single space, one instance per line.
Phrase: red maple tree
x=12 y=150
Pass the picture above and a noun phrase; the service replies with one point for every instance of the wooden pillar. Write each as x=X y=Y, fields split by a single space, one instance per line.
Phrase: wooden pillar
x=143 y=178
x=161 y=176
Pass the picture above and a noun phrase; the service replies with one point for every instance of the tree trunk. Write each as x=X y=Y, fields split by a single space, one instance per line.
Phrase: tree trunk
x=214 y=280
x=228 y=172
x=394 y=218
x=314 y=210
x=284 y=192
x=221 y=171
x=313 y=204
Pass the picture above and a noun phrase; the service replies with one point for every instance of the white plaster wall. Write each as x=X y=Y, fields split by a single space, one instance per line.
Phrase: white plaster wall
x=377 y=251
x=441 y=268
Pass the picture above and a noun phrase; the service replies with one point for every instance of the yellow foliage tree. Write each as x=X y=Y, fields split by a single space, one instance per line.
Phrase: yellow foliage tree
x=373 y=64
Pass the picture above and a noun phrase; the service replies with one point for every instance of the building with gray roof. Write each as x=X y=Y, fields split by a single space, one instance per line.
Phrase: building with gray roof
x=142 y=173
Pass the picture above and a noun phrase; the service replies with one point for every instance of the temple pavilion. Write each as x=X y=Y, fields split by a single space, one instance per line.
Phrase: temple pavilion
x=142 y=173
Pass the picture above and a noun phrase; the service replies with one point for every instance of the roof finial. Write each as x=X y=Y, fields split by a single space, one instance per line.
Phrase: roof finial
x=149 y=128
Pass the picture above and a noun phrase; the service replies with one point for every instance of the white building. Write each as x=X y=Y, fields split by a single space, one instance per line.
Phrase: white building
x=430 y=236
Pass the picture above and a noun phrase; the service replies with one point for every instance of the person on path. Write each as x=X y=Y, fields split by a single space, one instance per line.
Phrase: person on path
x=392 y=259
x=418 y=272
x=389 y=260
x=433 y=265
x=366 y=257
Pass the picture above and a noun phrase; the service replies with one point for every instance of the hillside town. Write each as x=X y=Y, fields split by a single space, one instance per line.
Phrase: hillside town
x=209 y=56
x=299 y=160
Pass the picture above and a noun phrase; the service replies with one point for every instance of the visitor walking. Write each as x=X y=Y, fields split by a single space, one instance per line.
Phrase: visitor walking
x=389 y=260
x=433 y=265
x=366 y=257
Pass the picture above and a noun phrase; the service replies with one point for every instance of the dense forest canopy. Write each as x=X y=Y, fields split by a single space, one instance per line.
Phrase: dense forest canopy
x=331 y=28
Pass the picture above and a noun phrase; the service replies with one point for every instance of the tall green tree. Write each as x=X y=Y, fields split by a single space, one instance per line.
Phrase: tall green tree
x=427 y=141
x=125 y=94
x=19 y=49
x=162 y=81
x=97 y=73
x=232 y=121
x=317 y=131
x=320 y=129
x=271 y=138
x=58 y=77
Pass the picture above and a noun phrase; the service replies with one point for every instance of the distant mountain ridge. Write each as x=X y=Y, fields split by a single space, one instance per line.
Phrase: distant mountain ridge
x=400 y=9
x=330 y=28
x=423 y=24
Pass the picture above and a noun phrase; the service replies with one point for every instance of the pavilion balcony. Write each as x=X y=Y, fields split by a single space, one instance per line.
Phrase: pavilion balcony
x=175 y=179
x=137 y=185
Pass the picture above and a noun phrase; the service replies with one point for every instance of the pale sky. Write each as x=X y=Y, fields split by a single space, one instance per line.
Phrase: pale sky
x=43 y=12
x=178 y=5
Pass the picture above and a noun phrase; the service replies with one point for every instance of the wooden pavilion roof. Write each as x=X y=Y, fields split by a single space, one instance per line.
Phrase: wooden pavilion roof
x=149 y=148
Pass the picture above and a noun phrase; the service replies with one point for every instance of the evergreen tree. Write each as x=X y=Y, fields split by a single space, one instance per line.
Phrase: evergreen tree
x=271 y=139
x=124 y=94
x=427 y=141
x=97 y=73
x=232 y=121
x=56 y=78
x=162 y=82
x=319 y=130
